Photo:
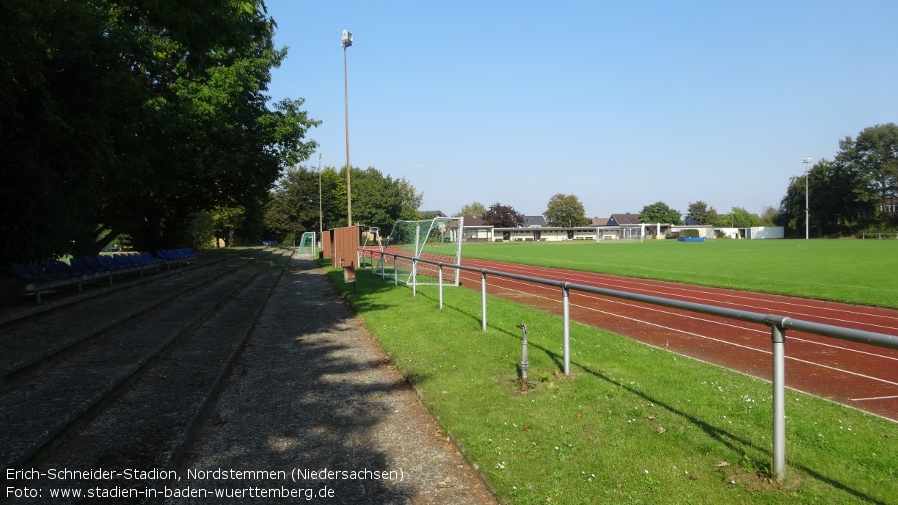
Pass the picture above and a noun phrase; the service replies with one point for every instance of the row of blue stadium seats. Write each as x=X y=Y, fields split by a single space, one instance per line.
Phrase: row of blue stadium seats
x=54 y=273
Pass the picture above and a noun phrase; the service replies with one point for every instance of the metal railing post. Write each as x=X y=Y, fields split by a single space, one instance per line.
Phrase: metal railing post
x=566 y=303
x=415 y=277
x=483 y=299
x=778 y=336
x=440 y=275
x=525 y=363
x=383 y=273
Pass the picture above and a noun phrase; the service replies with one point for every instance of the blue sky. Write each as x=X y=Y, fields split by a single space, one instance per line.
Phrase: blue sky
x=620 y=103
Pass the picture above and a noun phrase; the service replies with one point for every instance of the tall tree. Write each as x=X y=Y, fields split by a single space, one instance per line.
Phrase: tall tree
x=701 y=213
x=849 y=193
x=226 y=221
x=875 y=153
x=565 y=210
x=739 y=218
x=503 y=216
x=769 y=216
x=131 y=116
x=377 y=200
x=660 y=212
x=472 y=209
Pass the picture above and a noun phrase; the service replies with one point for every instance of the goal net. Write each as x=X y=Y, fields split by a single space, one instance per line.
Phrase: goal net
x=307 y=246
x=437 y=239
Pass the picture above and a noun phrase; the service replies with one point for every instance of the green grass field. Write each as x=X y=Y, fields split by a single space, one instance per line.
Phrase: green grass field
x=633 y=424
x=856 y=271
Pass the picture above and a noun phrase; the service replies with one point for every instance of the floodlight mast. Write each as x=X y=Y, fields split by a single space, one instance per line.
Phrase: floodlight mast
x=807 y=226
x=320 y=207
x=346 y=42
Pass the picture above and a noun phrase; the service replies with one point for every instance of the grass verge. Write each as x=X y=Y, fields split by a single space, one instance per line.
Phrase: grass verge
x=632 y=424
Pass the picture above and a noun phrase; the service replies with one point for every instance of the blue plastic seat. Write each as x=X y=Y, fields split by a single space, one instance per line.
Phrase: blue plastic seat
x=59 y=269
x=81 y=267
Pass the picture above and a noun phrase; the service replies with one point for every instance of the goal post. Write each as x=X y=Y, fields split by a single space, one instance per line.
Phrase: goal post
x=437 y=239
x=307 y=245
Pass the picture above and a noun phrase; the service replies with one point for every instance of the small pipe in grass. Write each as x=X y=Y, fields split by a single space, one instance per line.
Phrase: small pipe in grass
x=524 y=363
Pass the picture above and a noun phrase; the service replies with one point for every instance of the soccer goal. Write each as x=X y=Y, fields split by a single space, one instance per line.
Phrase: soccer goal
x=307 y=245
x=437 y=239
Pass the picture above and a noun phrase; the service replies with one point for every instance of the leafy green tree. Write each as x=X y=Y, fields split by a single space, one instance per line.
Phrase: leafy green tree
x=769 y=216
x=133 y=116
x=377 y=200
x=701 y=213
x=839 y=199
x=227 y=220
x=847 y=194
x=874 y=152
x=380 y=200
x=201 y=229
x=742 y=218
x=472 y=209
x=565 y=210
x=659 y=212
x=293 y=206
x=503 y=216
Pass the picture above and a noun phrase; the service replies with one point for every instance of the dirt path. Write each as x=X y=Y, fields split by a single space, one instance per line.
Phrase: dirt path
x=313 y=392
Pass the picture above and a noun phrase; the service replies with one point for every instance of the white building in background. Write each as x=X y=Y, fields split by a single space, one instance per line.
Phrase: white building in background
x=753 y=233
x=618 y=227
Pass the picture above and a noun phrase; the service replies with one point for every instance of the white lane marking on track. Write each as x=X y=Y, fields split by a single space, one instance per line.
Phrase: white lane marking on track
x=719 y=323
x=848 y=372
x=892 y=397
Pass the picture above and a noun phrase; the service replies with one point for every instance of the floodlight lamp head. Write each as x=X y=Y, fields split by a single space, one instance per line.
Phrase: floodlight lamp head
x=807 y=160
x=347 y=39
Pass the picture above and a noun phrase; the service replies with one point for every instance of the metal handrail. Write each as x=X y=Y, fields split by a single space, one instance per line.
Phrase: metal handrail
x=778 y=325
x=827 y=330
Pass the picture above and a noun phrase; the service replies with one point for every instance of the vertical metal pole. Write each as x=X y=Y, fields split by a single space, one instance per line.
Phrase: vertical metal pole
x=440 y=274
x=483 y=299
x=348 y=169
x=566 y=303
x=320 y=205
x=778 y=335
x=383 y=274
x=525 y=363
x=414 y=277
x=418 y=246
x=461 y=227
x=395 y=272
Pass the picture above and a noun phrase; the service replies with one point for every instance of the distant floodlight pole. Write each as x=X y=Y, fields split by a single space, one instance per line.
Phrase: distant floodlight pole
x=807 y=228
x=320 y=208
x=347 y=41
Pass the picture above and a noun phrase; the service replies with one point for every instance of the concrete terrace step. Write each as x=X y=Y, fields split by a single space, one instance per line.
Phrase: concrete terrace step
x=14 y=309
x=39 y=414
x=23 y=348
x=146 y=427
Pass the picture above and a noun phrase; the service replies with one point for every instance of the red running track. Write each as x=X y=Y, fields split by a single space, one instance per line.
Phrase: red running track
x=857 y=375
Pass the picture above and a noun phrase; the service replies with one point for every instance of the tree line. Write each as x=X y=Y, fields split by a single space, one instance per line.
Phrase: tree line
x=305 y=199
x=855 y=192
x=567 y=211
x=138 y=117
